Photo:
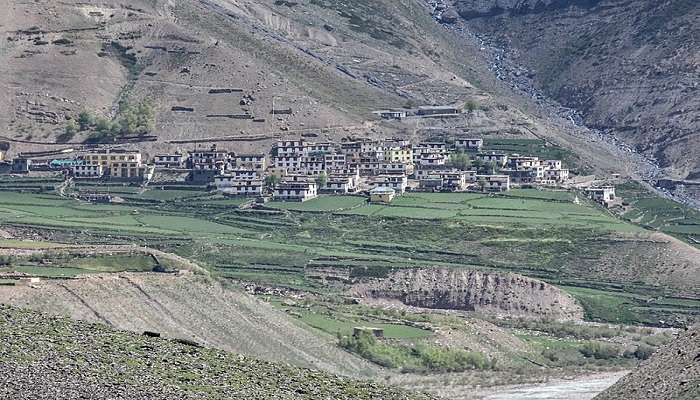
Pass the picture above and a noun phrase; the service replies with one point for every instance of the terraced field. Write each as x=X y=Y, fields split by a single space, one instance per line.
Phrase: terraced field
x=542 y=234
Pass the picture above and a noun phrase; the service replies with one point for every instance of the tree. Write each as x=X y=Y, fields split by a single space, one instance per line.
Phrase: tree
x=271 y=181
x=459 y=160
x=86 y=120
x=492 y=167
x=106 y=127
x=471 y=106
x=71 y=127
x=321 y=179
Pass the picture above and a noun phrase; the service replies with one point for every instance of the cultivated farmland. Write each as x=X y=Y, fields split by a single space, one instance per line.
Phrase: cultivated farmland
x=542 y=234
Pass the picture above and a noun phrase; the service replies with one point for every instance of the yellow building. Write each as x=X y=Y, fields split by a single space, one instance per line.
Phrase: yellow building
x=120 y=164
x=108 y=157
x=399 y=155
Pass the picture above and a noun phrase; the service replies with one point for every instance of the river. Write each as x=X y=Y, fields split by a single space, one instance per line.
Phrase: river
x=584 y=388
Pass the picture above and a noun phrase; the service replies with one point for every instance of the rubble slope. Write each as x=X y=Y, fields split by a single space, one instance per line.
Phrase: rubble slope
x=672 y=373
x=194 y=308
x=47 y=357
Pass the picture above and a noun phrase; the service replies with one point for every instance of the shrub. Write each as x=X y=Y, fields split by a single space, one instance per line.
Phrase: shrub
x=419 y=358
x=643 y=352
x=599 y=351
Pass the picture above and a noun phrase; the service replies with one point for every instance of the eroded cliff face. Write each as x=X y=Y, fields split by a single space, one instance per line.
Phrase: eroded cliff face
x=471 y=290
x=631 y=67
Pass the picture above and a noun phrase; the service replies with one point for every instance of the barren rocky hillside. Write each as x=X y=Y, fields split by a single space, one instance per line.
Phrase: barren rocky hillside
x=45 y=357
x=192 y=308
x=217 y=68
x=673 y=373
x=473 y=291
x=631 y=67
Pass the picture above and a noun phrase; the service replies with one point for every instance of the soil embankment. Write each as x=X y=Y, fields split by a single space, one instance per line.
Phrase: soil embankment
x=471 y=290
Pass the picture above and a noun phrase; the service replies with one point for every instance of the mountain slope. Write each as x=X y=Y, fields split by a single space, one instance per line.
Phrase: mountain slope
x=328 y=61
x=43 y=357
x=630 y=67
x=673 y=373
x=187 y=307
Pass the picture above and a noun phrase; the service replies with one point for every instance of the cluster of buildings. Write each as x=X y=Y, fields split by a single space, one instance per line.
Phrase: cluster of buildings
x=298 y=169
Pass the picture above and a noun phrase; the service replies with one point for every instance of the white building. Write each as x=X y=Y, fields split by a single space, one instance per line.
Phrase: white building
x=243 y=188
x=174 y=160
x=432 y=159
x=397 y=182
x=291 y=148
x=251 y=161
x=341 y=184
x=602 y=194
x=556 y=175
x=295 y=189
x=88 y=171
x=468 y=143
x=498 y=158
x=494 y=183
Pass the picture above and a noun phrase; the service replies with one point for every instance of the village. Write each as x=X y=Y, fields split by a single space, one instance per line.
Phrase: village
x=300 y=169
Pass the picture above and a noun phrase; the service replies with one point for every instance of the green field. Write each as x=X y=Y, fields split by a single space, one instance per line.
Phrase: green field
x=519 y=208
x=656 y=213
x=322 y=204
x=542 y=234
x=60 y=265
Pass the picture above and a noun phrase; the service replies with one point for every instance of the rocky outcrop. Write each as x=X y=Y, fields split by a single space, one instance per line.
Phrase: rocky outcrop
x=672 y=373
x=470 y=290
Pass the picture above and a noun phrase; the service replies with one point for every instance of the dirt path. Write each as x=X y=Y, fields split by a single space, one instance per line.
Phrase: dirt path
x=584 y=388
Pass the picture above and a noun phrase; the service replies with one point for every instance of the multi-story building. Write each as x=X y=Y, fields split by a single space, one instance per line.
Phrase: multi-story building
x=108 y=157
x=257 y=162
x=130 y=170
x=493 y=183
x=602 y=194
x=291 y=148
x=318 y=148
x=395 y=168
x=432 y=160
x=287 y=163
x=399 y=155
x=120 y=164
x=88 y=171
x=522 y=163
x=340 y=184
x=313 y=164
x=295 y=188
x=336 y=161
x=174 y=160
x=212 y=159
x=454 y=180
x=242 y=188
x=552 y=164
x=499 y=159
x=397 y=182
x=556 y=175
x=236 y=175
x=469 y=143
